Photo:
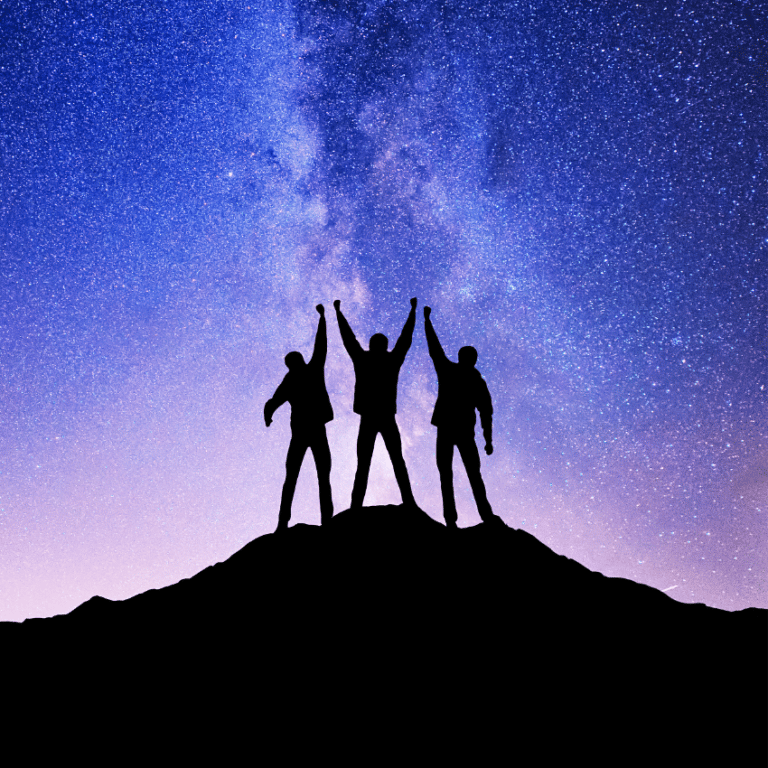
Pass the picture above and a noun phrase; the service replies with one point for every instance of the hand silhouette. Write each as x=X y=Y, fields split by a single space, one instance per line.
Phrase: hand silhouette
x=414 y=302
x=488 y=448
x=321 y=309
x=427 y=312
x=337 y=304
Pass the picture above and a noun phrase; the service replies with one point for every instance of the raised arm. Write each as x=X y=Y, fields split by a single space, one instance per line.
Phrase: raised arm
x=351 y=344
x=400 y=349
x=321 y=339
x=433 y=344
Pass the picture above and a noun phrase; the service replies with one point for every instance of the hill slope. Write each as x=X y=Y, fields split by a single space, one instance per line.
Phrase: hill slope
x=390 y=627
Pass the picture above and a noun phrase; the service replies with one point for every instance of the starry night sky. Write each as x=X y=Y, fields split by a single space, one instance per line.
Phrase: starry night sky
x=578 y=190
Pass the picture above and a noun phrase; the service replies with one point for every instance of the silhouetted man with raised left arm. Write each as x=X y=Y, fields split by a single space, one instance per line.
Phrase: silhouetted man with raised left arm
x=376 y=373
x=304 y=388
x=461 y=391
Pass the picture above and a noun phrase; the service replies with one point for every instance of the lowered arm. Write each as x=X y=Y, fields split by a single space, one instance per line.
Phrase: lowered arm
x=485 y=407
x=280 y=397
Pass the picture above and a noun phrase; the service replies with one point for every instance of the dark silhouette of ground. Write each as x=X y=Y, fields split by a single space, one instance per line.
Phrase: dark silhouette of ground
x=304 y=388
x=384 y=635
x=376 y=374
x=461 y=391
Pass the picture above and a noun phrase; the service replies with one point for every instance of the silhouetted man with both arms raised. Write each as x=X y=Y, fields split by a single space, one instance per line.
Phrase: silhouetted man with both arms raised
x=304 y=388
x=376 y=373
x=461 y=390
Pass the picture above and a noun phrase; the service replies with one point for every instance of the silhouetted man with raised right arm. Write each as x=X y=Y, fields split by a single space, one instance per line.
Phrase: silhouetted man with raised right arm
x=376 y=373
x=304 y=388
x=461 y=390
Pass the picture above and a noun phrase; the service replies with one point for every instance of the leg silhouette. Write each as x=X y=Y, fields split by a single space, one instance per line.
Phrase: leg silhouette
x=444 y=455
x=366 y=439
x=293 y=460
x=394 y=445
x=471 y=458
x=322 y=455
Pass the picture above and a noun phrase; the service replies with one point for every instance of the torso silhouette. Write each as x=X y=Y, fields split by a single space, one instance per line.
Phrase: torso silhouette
x=376 y=375
x=461 y=390
x=376 y=371
x=304 y=388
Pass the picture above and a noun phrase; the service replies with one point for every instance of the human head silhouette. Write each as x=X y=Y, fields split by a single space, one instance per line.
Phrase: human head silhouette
x=294 y=360
x=468 y=356
x=378 y=343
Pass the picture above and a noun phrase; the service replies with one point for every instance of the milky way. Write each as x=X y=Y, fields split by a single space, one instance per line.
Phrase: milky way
x=577 y=191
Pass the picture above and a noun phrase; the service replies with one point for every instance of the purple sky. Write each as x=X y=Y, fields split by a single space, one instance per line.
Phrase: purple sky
x=578 y=192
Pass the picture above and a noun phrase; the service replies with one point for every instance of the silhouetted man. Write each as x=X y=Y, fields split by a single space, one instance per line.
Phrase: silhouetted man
x=461 y=390
x=376 y=372
x=304 y=388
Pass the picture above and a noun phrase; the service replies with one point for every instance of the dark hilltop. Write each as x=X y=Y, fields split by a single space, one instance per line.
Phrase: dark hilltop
x=384 y=634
